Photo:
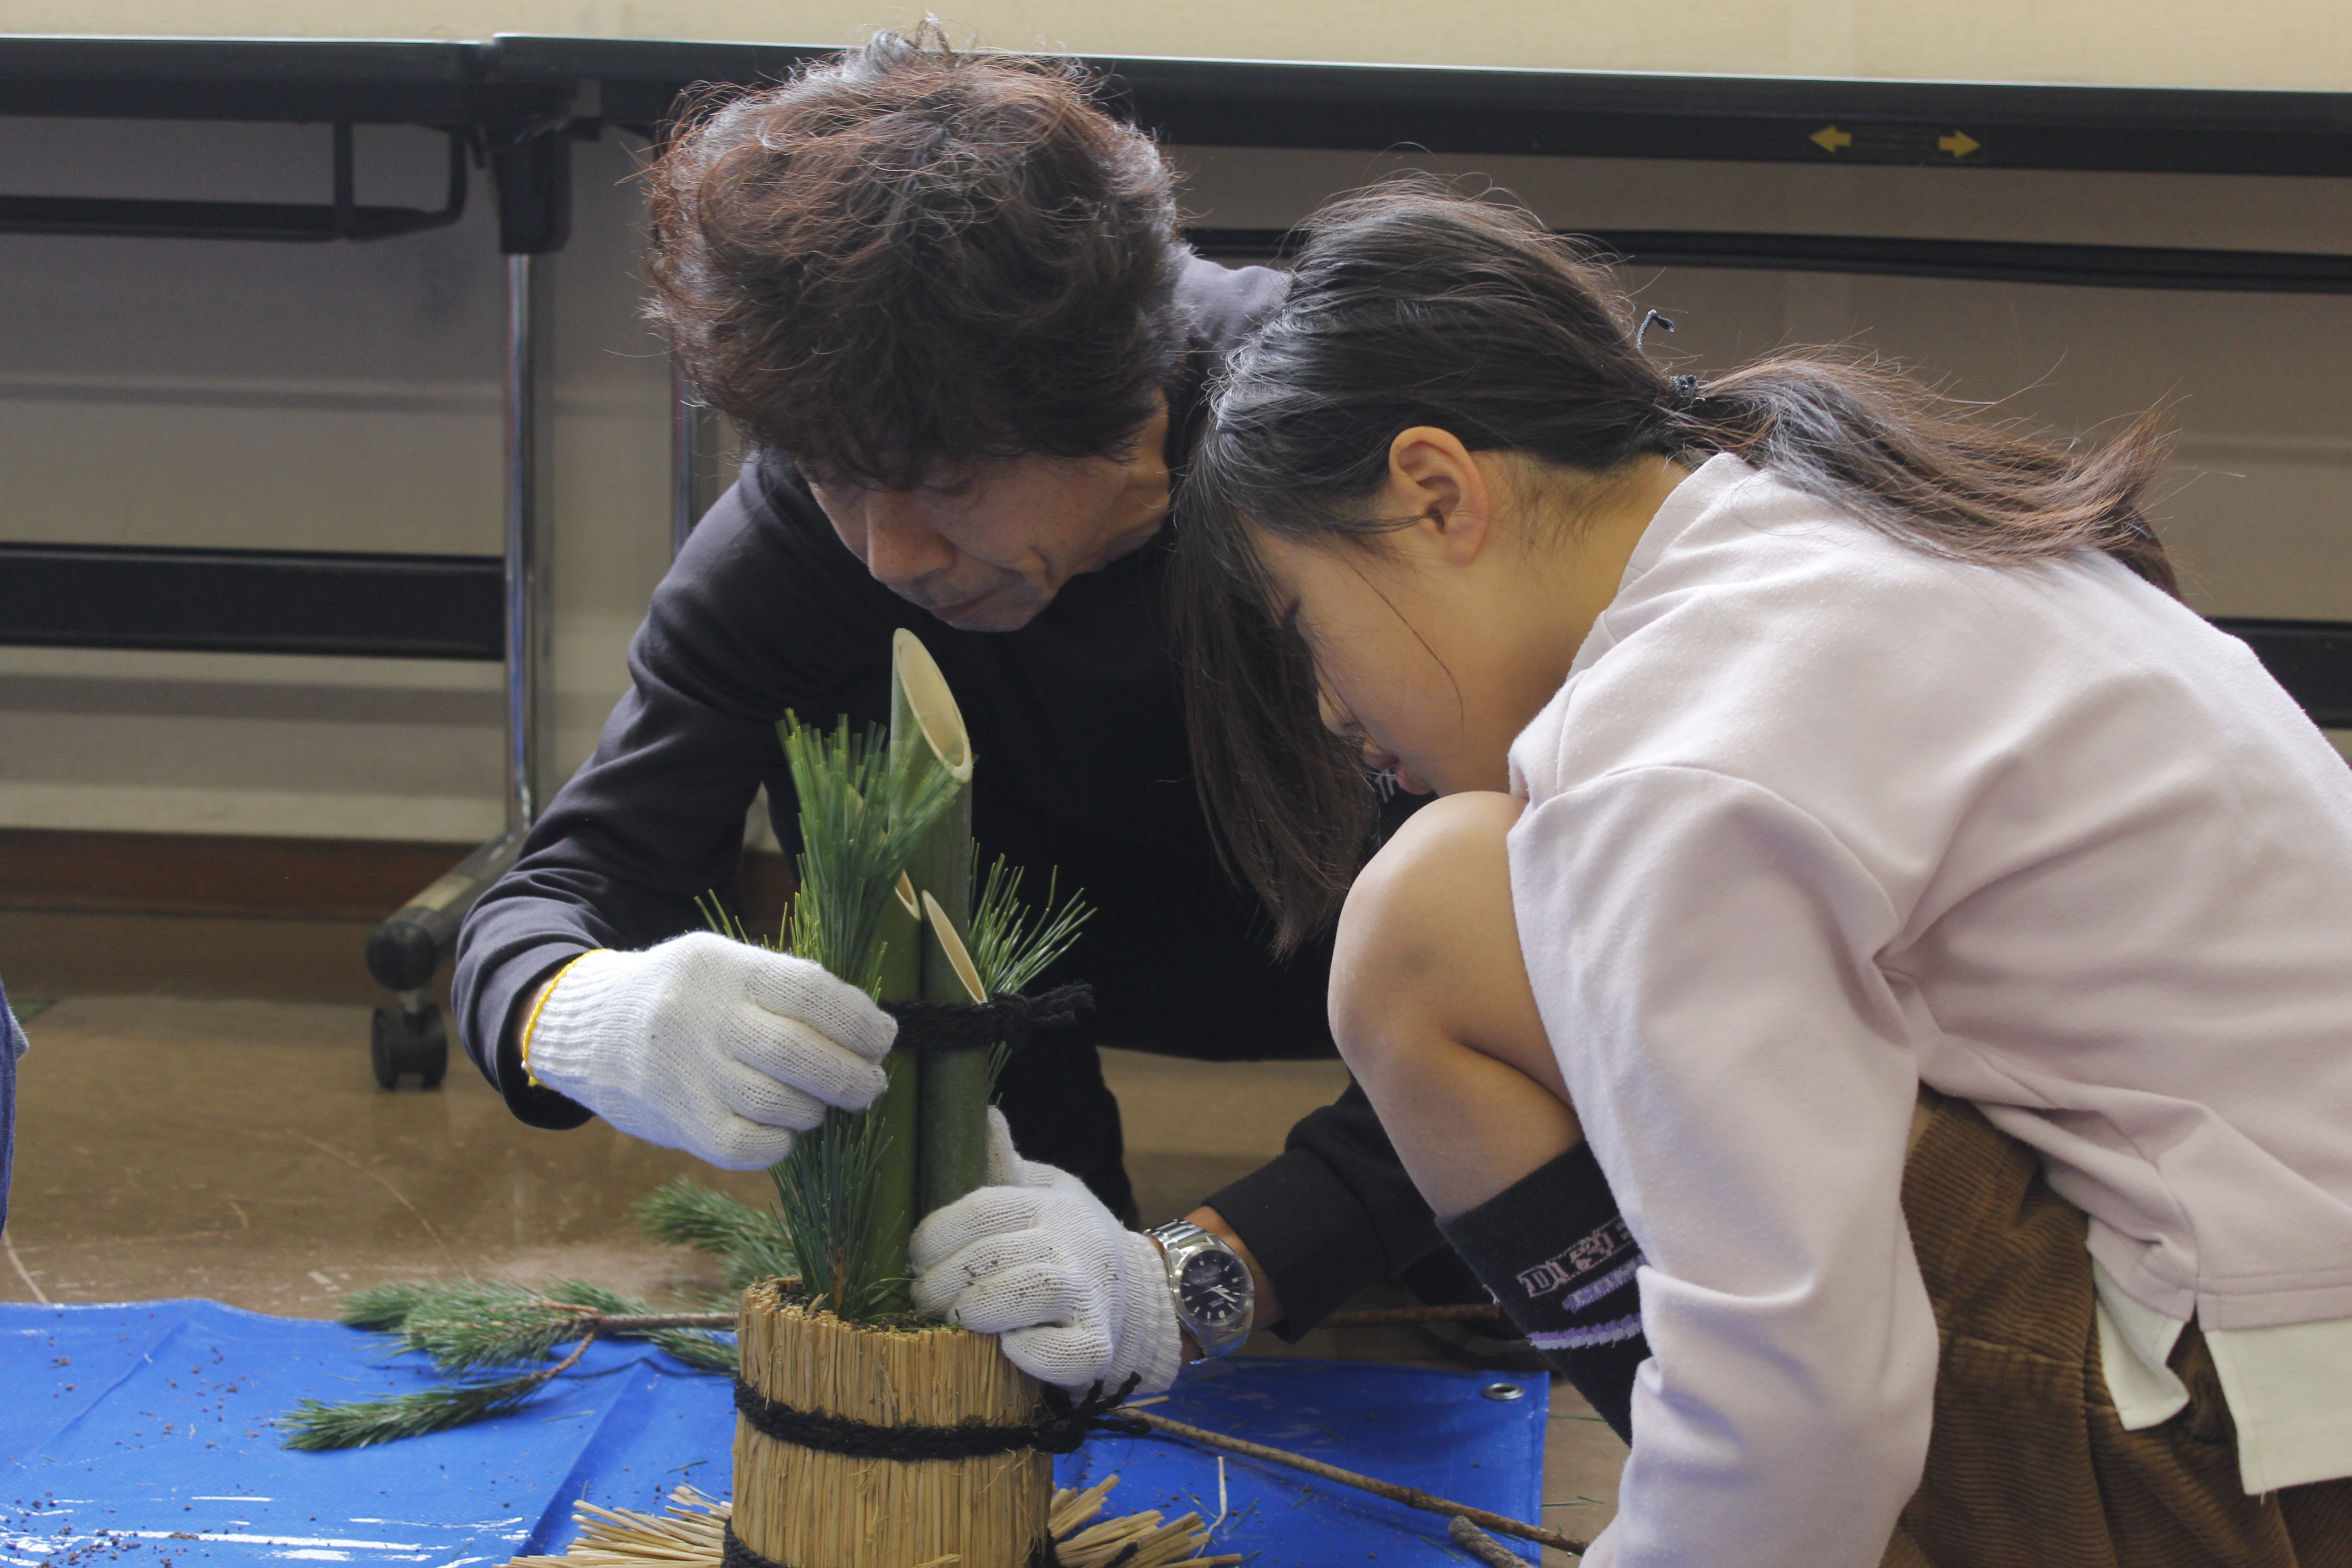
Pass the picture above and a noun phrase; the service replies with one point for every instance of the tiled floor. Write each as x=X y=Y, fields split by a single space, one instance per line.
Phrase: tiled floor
x=237 y=1148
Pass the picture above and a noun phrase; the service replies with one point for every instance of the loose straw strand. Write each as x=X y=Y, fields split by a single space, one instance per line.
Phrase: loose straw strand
x=695 y=1535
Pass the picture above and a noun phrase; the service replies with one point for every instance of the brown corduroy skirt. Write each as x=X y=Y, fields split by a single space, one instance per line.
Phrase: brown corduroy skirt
x=2029 y=1466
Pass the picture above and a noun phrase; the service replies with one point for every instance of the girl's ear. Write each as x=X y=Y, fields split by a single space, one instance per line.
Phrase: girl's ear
x=1433 y=479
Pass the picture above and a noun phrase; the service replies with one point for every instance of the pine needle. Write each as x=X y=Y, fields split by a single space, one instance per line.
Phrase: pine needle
x=824 y=1191
x=1011 y=944
x=315 y=1427
x=859 y=825
x=383 y=1307
x=750 y=1243
x=470 y=1325
x=477 y=1325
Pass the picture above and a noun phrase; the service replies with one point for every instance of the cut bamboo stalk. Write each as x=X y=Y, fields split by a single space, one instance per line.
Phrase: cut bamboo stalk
x=927 y=731
x=813 y=1510
x=958 y=957
x=891 y=1220
x=956 y=1084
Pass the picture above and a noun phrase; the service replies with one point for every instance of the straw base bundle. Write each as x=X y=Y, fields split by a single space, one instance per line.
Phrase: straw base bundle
x=693 y=1535
x=804 y=1508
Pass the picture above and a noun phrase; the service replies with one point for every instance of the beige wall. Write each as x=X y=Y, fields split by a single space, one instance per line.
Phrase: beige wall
x=2260 y=507
x=296 y=396
x=2181 y=43
x=346 y=397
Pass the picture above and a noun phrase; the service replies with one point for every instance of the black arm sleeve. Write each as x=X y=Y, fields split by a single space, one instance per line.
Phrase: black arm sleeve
x=1333 y=1213
x=1077 y=721
x=653 y=819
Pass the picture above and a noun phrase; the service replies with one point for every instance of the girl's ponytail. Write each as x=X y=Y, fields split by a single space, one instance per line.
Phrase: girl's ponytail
x=1882 y=445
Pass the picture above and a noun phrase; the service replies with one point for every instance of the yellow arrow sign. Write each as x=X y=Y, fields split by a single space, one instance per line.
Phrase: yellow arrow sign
x=1960 y=143
x=1829 y=138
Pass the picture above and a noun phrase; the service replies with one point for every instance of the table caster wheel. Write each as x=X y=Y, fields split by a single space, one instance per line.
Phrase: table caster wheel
x=403 y=1043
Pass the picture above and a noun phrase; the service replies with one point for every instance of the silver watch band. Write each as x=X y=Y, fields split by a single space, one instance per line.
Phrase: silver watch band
x=1210 y=1287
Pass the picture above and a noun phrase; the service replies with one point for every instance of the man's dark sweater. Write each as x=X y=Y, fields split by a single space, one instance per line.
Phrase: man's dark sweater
x=1078 y=724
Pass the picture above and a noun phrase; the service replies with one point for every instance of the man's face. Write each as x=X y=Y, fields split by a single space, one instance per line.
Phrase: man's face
x=985 y=546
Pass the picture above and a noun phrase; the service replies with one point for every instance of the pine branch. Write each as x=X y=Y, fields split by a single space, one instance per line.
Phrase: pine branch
x=316 y=1427
x=472 y=1324
x=383 y=1307
x=697 y=1349
x=749 y=1243
x=1009 y=945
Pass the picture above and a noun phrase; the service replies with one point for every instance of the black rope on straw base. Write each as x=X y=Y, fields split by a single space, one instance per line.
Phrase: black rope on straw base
x=1058 y=1427
x=1064 y=1425
x=733 y=1553
x=1009 y=1020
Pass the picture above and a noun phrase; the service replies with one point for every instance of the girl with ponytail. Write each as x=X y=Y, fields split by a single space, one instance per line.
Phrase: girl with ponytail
x=1871 y=998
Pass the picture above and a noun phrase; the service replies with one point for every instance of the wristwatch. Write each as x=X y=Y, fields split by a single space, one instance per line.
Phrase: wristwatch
x=1211 y=1286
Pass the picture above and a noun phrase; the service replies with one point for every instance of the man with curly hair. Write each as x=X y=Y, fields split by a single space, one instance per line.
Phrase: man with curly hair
x=944 y=294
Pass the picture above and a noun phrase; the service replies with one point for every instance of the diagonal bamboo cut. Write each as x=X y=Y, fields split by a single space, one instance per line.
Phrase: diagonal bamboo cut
x=928 y=735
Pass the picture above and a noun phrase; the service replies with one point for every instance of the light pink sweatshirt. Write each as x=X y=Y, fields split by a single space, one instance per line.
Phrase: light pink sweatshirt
x=1818 y=817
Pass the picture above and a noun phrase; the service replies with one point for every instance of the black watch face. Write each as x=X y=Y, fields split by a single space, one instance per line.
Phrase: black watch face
x=1216 y=1290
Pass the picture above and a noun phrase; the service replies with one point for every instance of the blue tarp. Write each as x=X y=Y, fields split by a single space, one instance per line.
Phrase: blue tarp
x=140 y=1435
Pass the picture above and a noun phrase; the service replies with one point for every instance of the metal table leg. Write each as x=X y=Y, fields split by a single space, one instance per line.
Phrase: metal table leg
x=405 y=951
x=698 y=473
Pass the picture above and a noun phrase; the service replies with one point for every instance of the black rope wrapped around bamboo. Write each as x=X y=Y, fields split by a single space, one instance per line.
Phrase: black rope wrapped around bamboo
x=1009 y=1020
x=1061 y=1424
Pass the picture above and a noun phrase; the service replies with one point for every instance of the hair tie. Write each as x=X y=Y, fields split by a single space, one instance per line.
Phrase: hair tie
x=1655 y=318
x=1685 y=391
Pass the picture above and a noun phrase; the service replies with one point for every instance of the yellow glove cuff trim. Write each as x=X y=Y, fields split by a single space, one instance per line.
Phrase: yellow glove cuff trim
x=523 y=1049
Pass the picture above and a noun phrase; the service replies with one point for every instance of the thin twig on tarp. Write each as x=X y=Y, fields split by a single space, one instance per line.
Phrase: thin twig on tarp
x=1412 y=1497
x=1481 y=1545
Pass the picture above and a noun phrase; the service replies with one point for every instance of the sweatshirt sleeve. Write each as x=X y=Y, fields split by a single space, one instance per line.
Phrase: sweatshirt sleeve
x=1704 y=956
x=1333 y=1213
x=654 y=818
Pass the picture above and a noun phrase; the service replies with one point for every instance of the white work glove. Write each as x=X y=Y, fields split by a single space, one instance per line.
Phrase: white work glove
x=1075 y=1296
x=711 y=1046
